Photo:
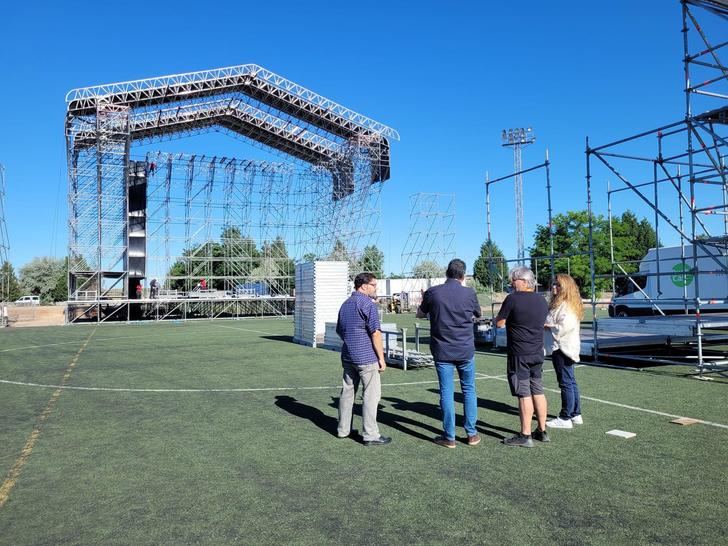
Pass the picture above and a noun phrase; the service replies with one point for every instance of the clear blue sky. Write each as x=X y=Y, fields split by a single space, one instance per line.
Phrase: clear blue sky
x=449 y=76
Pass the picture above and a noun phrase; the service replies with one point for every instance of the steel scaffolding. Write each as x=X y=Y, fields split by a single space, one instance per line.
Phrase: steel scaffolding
x=212 y=229
x=684 y=181
x=432 y=232
x=552 y=262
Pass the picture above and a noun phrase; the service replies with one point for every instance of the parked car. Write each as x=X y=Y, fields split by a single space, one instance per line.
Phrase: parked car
x=28 y=300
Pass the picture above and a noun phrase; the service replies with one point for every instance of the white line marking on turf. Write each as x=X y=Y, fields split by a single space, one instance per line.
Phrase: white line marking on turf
x=609 y=403
x=9 y=483
x=248 y=330
x=65 y=343
x=270 y=389
x=283 y=389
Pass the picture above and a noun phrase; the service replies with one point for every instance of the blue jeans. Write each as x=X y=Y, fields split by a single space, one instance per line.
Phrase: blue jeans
x=570 y=403
x=446 y=375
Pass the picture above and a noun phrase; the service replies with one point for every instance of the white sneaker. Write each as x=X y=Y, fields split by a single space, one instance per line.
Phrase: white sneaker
x=577 y=420
x=559 y=423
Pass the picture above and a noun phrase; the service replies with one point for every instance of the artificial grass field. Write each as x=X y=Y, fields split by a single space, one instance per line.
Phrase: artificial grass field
x=187 y=455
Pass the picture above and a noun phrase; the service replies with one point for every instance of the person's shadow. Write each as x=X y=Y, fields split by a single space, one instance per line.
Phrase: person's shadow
x=483 y=427
x=316 y=416
x=393 y=420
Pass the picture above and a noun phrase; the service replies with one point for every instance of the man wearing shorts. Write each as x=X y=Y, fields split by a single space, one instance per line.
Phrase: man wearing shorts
x=523 y=313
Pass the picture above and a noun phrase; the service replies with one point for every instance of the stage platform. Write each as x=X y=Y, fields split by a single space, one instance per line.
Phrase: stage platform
x=655 y=339
x=179 y=308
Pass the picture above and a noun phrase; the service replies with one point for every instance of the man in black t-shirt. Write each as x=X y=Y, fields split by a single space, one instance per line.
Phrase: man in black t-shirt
x=523 y=313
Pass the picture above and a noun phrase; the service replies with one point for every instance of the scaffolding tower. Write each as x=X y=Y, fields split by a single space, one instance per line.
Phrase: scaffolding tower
x=432 y=232
x=684 y=181
x=212 y=229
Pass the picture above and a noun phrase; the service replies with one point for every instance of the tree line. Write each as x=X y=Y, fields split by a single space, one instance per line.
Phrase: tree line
x=43 y=276
x=238 y=256
x=631 y=239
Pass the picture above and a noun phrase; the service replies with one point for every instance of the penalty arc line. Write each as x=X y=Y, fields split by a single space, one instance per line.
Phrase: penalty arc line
x=320 y=388
x=12 y=478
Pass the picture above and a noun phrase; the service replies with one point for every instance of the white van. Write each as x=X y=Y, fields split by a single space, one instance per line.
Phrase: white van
x=28 y=300
x=678 y=283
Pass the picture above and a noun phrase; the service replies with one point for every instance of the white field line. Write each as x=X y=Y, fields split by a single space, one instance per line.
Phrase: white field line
x=66 y=343
x=610 y=403
x=273 y=389
x=319 y=388
x=248 y=330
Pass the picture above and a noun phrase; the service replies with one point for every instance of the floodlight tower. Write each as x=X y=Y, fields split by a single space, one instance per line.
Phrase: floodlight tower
x=517 y=139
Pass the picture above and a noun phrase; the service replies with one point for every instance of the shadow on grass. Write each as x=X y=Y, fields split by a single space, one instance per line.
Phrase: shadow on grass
x=393 y=419
x=328 y=424
x=432 y=411
x=286 y=339
x=316 y=416
x=483 y=426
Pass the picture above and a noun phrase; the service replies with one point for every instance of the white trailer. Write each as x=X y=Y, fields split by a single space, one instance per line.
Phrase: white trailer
x=665 y=283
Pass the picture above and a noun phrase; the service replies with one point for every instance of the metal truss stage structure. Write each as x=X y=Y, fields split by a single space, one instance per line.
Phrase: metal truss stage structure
x=212 y=229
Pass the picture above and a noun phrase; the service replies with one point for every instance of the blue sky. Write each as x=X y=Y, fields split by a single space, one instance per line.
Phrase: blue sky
x=448 y=76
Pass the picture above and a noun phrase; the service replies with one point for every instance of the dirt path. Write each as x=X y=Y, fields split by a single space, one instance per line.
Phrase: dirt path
x=36 y=315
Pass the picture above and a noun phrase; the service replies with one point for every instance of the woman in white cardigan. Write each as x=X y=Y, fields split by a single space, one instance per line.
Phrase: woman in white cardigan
x=562 y=341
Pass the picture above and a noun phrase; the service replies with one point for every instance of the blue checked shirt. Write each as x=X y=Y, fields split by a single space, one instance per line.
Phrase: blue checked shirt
x=358 y=320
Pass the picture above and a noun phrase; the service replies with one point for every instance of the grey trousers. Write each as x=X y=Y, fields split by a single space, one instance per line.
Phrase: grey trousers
x=368 y=375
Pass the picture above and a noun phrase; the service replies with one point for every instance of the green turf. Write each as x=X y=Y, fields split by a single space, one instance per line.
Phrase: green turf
x=260 y=467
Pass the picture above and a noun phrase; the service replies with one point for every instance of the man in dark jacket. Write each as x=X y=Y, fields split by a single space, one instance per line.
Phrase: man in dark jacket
x=451 y=307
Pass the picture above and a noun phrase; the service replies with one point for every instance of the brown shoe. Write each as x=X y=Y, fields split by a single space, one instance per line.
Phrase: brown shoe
x=444 y=442
x=474 y=440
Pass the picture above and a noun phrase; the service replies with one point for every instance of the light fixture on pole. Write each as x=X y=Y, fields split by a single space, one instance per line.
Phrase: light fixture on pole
x=517 y=139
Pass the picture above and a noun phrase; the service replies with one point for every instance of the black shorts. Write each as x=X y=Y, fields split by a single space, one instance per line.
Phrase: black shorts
x=525 y=375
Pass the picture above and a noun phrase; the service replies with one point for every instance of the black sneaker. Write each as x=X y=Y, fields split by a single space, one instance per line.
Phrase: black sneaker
x=541 y=436
x=519 y=440
x=381 y=441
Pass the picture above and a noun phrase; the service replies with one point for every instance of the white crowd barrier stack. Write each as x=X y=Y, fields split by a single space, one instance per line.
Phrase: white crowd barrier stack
x=321 y=288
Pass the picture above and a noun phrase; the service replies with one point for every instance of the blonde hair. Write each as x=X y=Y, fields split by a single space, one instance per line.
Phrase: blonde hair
x=569 y=294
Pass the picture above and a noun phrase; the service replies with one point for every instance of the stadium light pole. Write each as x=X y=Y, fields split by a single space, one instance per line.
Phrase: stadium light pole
x=517 y=139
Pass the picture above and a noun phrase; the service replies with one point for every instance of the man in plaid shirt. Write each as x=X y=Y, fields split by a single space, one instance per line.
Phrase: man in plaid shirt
x=362 y=358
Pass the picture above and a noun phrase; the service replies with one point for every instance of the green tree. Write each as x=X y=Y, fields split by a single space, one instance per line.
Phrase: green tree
x=428 y=269
x=60 y=290
x=41 y=277
x=490 y=268
x=339 y=252
x=372 y=261
x=632 y=239
x=235 y=256
x=275 y=267
x=9 y=283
